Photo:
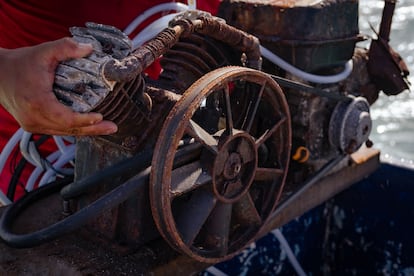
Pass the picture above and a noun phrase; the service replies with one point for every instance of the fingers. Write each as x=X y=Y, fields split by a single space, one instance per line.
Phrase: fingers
x=101 y=128
x=57 y=119
x=67 y=48
x=72 y=123
x=90 y=124
x=80 y=126
x=65 y=120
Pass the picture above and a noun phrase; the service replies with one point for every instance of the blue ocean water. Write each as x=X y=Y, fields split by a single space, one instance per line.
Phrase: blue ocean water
x=393 y=117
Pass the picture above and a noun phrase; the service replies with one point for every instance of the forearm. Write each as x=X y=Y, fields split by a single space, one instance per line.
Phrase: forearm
x=4 y=65
x=7 y=76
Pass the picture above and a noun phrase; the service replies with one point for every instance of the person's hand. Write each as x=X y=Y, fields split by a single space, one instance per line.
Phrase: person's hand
x=26 y=81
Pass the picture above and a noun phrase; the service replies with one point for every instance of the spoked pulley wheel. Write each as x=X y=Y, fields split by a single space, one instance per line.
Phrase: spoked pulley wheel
x=213 y=202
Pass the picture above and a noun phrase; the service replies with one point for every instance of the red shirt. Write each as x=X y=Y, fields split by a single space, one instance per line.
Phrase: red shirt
x=30 y=22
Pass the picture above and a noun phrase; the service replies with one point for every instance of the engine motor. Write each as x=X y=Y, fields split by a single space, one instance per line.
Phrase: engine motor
x=207 y=151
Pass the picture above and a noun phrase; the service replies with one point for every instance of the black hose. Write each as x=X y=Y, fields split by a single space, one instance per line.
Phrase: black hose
x=125 y=167
x=70 y=223
x=81 y=217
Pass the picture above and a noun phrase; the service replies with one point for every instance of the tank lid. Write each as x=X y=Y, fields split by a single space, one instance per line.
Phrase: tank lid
x=286 y=3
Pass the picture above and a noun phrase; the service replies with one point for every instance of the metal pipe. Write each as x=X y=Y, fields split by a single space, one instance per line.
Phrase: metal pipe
x=386 y=20
x=133 y=65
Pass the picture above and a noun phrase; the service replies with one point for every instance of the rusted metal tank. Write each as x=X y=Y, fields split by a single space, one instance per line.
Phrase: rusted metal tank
x=309 y=34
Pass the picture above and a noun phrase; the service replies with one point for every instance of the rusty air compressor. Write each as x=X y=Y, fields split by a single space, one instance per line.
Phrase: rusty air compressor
x=203 y=154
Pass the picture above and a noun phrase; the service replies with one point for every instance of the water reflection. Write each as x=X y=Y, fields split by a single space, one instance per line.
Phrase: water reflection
x=393 y=128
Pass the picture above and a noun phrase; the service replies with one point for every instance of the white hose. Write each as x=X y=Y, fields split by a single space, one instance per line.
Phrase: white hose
x=171 y=6
x=192 y=4
x=304 y=75
x=292 y=258
x=60 y=143
x=215 y=271
x=29 y=151
x=8 y=148
x=4 y=200
x=152 y=30
x=25 y=147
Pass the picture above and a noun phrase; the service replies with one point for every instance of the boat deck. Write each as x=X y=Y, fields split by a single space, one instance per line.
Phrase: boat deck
x=72 y=255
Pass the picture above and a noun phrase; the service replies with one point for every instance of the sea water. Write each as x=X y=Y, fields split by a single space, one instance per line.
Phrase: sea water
x=393 y=116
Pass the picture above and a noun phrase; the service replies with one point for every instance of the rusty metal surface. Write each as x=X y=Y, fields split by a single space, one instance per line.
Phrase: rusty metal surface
x=356 y=167
x=212 y=215
x=311 y=35
x=183 y=25
x=386 y=66
x=133 y=65
x=286 y=3
x=139 y=106
x=139 y=130
x=350 y=125
x=111 y=227
x=192 y=57
x=111 y=81
x=271 y=19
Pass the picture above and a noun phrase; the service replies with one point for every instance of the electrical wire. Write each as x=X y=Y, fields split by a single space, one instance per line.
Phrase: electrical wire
x=31 y=182
x=14 y=181
x=31 y=154
x=11 y=190
x=63 y=159
x=29 y=151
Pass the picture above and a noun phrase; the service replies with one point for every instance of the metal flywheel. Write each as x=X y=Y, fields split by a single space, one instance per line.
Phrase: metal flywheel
x=234 y=123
